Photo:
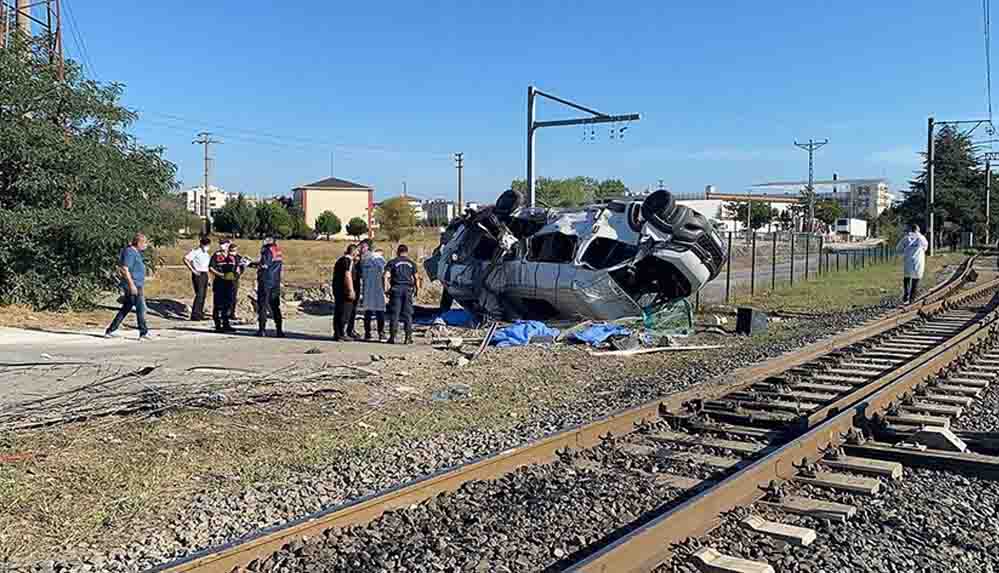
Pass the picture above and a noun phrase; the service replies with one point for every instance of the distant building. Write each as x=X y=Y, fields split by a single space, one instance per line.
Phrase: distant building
x=344 y=198
x=862 y=200
x=202 y=204
x=418 y=210
x=439 y=212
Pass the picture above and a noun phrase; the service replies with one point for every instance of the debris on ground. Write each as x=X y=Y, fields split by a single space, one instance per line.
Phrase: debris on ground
x=314 y=350
x=456 y=391
x=652 y=350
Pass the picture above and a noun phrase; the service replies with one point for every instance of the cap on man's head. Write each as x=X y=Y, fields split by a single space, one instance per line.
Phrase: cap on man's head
x=268 y=241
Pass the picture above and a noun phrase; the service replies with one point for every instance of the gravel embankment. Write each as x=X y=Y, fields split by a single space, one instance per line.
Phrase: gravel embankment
x=211 y=519
x=930 y=521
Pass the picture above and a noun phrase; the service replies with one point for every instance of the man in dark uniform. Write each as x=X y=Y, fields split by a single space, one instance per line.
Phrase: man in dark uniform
x=355 y=275
x=269 y=286
x=223 y=268
x=344 y=295
x=403 y=284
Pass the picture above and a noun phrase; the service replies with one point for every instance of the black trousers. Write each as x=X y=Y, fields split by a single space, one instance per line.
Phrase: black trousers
x=401 y=305
x=352 y=317
x=909 y=287
x=221 y=301
x=269 y=299
x=200 y=284
x=343 y=314
x=379 y=315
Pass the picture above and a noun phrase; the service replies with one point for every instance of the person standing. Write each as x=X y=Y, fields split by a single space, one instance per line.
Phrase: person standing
x=372 y=273
x=912 y=246
x=132 y=269
x=223 y=269
x=269 y=268
x=197 y=262
x=344 y=294
x=355 y=275
x=404 y=283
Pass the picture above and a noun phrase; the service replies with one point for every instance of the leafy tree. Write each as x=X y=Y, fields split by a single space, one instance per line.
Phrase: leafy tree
x=328 y=224
x=610 y=188
x=396 y=217
x=758 y=217
x=273 y=219
x=357 y=227
x=828 y=210
x=245 y=216
x=959 y=188
x=237 y=218
x=74 y=184
x=300 y=229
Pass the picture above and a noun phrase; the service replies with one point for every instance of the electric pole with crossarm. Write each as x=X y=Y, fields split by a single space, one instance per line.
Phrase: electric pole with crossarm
x=810 y=147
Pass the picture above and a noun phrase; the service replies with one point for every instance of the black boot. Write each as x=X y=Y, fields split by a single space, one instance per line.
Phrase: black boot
x=409 y=338
x=261 y=329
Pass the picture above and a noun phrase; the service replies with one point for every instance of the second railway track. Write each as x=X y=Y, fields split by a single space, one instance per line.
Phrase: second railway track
x=617 y=494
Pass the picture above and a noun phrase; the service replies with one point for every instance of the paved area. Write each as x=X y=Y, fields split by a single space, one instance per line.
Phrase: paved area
x=36 y=363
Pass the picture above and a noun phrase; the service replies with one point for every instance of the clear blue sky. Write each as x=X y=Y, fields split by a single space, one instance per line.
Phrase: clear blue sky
x=394 y=88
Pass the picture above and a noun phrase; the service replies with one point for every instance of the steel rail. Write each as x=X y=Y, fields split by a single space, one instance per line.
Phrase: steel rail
x=263 y=543
x=650 y=545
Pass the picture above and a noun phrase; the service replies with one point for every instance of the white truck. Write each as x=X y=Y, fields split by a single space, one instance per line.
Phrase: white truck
x=852 y=228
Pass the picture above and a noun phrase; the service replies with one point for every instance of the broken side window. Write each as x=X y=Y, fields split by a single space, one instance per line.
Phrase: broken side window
x=552 y=248
x=603 y=253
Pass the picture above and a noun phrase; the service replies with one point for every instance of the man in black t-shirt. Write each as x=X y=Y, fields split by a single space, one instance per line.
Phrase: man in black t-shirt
x=403 y=284
x=344 y=295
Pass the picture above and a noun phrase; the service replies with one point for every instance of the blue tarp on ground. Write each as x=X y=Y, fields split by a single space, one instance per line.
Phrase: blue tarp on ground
x=598 y=333
x=520 y=333
x=454 y=317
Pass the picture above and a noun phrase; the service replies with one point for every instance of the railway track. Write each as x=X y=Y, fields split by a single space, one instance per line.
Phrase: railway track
x=618 y=494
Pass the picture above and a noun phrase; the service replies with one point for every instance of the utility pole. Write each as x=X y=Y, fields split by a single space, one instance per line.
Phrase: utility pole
x=331 y=164
x=404 y=189
x=988 y=201
x=929 y=182
x=459 y=163
x=533 y=125
x=205 y=139
x=22 y=14
x=810 y=147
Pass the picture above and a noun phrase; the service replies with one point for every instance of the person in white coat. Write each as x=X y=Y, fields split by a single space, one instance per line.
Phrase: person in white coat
x=372 y=268
x=912 y=246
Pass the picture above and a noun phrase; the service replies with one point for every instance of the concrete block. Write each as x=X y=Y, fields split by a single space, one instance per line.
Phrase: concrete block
x=891 y=470
x=789 y=533
x=817 y=508
x=842 y=482
x=939 y=439
x=711 y=561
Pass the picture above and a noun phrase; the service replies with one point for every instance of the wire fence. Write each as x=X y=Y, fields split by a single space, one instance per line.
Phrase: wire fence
x=763 y=262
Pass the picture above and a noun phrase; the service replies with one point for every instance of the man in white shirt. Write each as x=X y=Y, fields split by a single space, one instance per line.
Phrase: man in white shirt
x=197 y=262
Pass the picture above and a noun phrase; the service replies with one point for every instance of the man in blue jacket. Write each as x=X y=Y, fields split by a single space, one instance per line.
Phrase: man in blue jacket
x=269 y=286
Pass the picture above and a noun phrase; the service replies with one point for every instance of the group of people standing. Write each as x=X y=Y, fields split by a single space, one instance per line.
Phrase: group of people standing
x=225 y=267
x=361 y=280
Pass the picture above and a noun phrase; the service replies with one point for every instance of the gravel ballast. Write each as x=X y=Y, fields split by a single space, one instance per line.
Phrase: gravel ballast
x=211 y=519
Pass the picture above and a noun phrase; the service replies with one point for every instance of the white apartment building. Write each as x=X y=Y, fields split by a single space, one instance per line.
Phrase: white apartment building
x=202 y=204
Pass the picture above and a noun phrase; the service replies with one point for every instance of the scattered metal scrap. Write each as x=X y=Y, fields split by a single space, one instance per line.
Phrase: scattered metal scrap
x=116 y=393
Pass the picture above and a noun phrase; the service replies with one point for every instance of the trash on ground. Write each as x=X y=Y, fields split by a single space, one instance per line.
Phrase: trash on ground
x=456 y=391
x=314 y=350
x=653 y=350
x=597 y=334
